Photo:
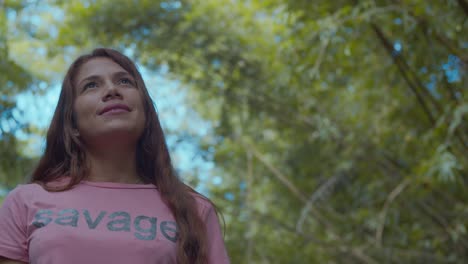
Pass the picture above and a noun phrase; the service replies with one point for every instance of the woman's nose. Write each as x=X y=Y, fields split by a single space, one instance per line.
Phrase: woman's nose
x=111 y=91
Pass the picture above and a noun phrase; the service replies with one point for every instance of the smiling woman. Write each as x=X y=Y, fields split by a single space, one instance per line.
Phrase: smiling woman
x=105 y=190
x=108 y=107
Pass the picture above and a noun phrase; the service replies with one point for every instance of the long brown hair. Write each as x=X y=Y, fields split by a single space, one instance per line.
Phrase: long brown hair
x=64 y=155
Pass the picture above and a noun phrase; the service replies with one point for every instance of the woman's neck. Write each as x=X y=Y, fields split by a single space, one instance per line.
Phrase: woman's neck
x=113 y=165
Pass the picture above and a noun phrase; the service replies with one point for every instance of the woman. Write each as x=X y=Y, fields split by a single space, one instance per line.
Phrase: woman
x=105 y=190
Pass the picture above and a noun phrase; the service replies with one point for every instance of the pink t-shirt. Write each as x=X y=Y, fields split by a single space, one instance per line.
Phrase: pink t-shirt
x=96 y=222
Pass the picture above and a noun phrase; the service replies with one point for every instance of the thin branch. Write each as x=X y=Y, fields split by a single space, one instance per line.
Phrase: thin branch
x=248 y=190
x=383 y=214
x=389 y=48
x=316 y=69
x=270 y=219
x=278 y=174
x=368 y=14
x=290 y=186
x=332 y=246
x=316 y=195
x=437 y=218
x=413 y=254
x=451 y=90
x=359 y=254
x=445 y=42
x=442 y=39
x=334 y=21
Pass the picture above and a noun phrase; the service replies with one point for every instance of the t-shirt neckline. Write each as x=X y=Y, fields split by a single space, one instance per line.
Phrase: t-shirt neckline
x=119 y=185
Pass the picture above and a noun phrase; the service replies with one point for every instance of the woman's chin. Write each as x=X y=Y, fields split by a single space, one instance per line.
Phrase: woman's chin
x=115 y=135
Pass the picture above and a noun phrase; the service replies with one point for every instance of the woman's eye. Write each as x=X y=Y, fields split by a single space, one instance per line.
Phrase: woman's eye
x=90 y=85
x=125 y=81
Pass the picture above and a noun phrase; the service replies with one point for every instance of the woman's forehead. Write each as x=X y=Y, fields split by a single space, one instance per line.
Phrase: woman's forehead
x=99 y=66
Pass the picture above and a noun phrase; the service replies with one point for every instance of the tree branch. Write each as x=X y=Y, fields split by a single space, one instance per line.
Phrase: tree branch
x=248 y=190
x=401 y=67
x=463 y=5
x=324 y=189
x=383 y=214
x=278 y=174
x=438 y=219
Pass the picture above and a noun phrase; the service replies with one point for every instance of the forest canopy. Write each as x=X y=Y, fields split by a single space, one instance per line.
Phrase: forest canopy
x=338 y=128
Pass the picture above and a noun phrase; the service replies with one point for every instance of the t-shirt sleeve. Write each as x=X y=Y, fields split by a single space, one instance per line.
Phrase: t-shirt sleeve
x=13 y=232
x=217 y=253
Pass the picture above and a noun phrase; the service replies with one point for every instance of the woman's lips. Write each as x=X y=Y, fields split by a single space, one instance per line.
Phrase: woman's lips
x=115 y=111
x=115 y=108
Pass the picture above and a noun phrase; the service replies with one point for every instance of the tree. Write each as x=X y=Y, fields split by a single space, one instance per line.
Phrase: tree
x=340 y=126
x=14 y=79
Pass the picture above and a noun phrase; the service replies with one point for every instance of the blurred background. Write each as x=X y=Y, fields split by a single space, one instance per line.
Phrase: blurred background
x=325 y=131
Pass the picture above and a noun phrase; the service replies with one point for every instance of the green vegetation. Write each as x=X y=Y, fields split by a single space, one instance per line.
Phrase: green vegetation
x=340 y=127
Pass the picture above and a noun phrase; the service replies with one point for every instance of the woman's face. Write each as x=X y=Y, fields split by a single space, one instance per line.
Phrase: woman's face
x=108 y=104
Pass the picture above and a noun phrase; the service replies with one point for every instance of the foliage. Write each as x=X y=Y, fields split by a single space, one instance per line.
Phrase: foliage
x=340 y=127
x=14 y=79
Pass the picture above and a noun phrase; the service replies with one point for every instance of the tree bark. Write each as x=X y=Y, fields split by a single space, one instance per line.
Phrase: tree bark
x=463 y=5
x=403 y=70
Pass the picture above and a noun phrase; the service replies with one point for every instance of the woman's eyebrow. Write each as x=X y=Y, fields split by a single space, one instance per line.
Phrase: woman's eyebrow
x=122 y=73
x=91 y=77
x=97 y=77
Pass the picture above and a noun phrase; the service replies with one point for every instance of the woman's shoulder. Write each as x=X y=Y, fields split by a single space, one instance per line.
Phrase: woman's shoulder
x=28 y=190
x=205 y=205
x=21 y=194
x=23 y=189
